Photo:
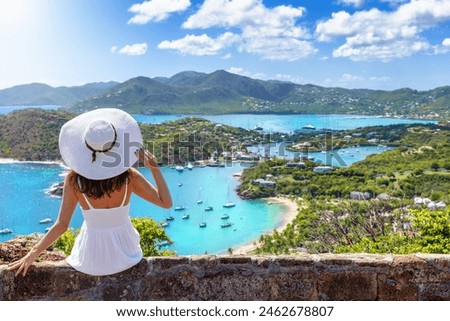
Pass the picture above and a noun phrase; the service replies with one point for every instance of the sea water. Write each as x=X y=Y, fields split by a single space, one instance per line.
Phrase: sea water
x=25 y=201
x=288 y=123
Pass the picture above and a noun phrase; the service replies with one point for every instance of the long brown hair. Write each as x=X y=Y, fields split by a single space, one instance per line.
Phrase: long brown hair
x=98 y=188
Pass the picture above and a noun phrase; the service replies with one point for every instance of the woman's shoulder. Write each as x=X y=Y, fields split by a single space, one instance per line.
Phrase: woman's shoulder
x=134 y=175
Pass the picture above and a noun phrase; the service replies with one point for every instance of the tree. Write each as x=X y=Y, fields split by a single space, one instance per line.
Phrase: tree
x=153 y=237
x=435 y=166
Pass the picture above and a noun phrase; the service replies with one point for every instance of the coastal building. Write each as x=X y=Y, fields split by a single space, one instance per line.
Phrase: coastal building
x=263 y=182
x=322 y=169
x=296 y=164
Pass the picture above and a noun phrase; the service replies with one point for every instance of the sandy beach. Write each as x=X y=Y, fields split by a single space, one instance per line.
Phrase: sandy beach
x=290 y=212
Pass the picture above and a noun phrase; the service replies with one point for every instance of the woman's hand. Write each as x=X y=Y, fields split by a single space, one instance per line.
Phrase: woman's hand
x=23 y=264
x=147 y=158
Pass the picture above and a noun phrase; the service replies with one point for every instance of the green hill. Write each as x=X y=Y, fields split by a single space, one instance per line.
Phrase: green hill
x=41 y=94
x=31 y=134
x=222 y=92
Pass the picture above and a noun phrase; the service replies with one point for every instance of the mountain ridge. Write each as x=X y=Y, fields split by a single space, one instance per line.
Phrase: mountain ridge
x=43 y=94
x=222 y=92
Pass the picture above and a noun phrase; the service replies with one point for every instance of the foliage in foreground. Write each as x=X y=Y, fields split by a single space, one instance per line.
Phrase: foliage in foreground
x=153 y=237
x=363 y=227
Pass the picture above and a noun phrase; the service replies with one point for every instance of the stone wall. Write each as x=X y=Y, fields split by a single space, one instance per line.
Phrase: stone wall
x=302 y=277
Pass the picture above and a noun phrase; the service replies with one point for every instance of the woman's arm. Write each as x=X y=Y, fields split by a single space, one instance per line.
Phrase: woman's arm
x=160 y=195
x=69 y=201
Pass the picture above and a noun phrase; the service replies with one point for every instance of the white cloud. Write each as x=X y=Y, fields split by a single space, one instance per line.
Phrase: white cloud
x=443 y=48
x=271 y=33
x=156 y=10
x=227 y=56
x=350 y=78
x=355 y=3
x=202 y=45
x=380 y=78
x=381 y=35
x=240 y=71
x=137 y=49
x=291 y=78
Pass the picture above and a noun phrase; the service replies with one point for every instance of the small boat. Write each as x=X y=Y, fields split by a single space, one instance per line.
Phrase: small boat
x=189 y=166
x=209 y=209
x=179 y=208
x=170 y=218
x=226 y=224
x=6 y=231
x=225 y=216
x=202 y=224
x=229 y=204
x=180 y=184
x=47 y=229
x=164 y=224
x=309 y=126
x=185 y=216
x=179 y=168
x=199 y=201
x=45 y=221
x=257 y=128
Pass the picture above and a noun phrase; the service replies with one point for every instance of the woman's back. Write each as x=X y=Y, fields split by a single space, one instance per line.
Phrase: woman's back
x=107 y=243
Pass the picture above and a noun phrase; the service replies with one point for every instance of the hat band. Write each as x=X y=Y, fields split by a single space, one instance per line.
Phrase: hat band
x=95 y=151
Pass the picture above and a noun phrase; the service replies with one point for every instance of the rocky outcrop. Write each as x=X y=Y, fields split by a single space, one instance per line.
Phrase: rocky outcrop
x=300 y=277
x=56 y=189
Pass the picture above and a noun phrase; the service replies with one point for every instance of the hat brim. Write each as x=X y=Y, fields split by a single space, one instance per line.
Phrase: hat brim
x=121 y=157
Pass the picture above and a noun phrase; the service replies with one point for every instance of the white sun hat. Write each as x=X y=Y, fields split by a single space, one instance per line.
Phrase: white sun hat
x=101 y=143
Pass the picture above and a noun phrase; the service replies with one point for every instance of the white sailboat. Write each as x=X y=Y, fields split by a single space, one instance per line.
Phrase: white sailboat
x=229 y=203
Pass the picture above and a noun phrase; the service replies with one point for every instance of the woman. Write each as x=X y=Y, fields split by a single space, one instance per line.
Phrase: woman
x=100 y=147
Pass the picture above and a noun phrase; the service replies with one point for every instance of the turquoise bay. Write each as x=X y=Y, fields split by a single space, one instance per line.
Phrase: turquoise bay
x=25 y=202
x=288 y=123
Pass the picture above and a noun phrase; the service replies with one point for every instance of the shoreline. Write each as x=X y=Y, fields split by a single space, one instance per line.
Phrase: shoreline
x=289 y=214
x=16 y=161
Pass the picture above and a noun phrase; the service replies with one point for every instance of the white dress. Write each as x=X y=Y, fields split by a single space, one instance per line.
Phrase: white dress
x=107 y=243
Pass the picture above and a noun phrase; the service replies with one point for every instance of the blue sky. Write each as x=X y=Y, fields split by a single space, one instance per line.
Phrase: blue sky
x=379 y=44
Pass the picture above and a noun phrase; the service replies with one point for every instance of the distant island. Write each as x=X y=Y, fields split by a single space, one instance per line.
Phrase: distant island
x=221 y=92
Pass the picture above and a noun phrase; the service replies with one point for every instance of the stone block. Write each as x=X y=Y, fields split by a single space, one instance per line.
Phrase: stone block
x=121 y=292
x=233 y=286
x=69 y=281
x=435 y=292
x=412 y=268
x=234 y=259
x=38 y=284
x=205 y=262
x=347 y=285
x=169 y=287
x=295 y=286
x=393 y=290
x=164 y=263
